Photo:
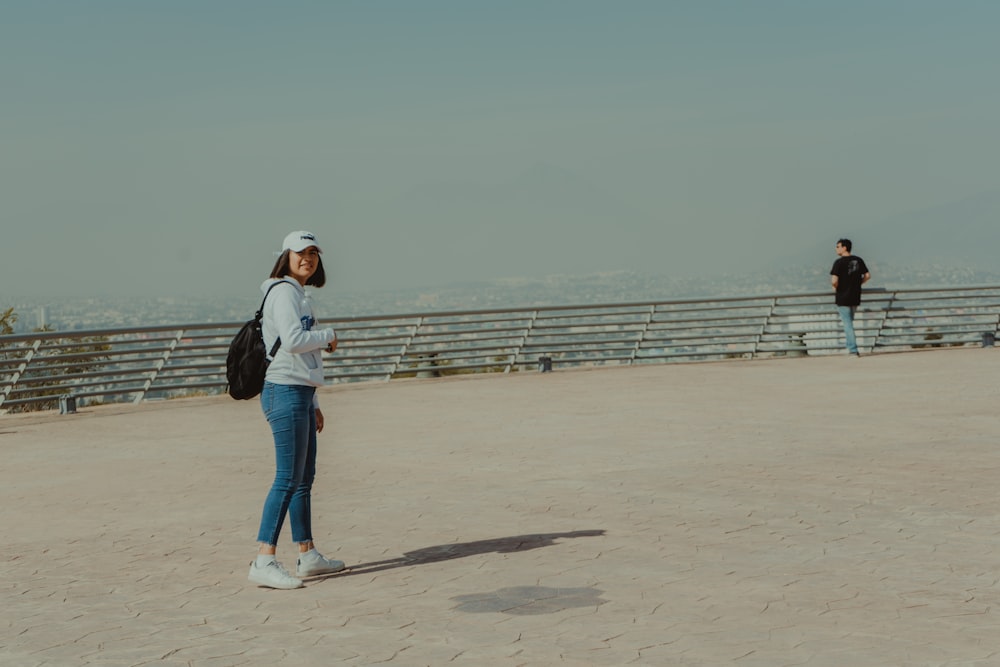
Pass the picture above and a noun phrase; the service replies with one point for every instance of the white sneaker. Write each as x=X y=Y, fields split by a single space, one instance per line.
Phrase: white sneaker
x=273 y=575
x=313 y=562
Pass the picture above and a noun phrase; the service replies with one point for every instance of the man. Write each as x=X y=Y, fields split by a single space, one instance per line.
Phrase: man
x=848 y=274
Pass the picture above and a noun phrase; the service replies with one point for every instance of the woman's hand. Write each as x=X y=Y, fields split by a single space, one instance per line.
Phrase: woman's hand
x=333 y=344
x=319 y=420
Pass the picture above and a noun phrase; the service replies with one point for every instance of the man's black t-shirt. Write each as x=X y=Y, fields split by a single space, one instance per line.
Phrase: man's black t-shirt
x=849 y=271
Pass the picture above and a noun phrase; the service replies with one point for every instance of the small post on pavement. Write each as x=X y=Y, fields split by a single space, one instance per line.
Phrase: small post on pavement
x=67 y=405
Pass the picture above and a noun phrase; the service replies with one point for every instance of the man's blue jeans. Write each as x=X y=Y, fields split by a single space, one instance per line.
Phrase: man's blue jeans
x=290 y=412
x=847 y=317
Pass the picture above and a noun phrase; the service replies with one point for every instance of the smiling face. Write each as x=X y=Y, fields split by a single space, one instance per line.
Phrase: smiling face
x=302 y=265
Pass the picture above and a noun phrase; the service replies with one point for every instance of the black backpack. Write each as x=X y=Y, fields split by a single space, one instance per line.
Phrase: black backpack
x=247 y=360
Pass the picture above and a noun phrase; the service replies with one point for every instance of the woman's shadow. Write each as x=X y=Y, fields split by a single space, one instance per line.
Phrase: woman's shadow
x=436 y=554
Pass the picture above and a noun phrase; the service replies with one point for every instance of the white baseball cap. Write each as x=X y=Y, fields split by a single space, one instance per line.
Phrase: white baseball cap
x=299 y=241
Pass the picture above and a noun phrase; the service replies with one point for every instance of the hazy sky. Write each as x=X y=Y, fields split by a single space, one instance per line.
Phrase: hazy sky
x=166 y=147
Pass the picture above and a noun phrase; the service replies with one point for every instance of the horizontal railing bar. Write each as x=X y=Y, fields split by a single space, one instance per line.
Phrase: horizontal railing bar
x=439 y=340
x=74 y=389
x=445 y=336
x=924 y=319
x=40 y=383
x=89 y=333
x=116 y=368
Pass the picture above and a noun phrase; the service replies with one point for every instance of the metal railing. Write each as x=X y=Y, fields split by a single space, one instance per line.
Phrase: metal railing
x=140 y=363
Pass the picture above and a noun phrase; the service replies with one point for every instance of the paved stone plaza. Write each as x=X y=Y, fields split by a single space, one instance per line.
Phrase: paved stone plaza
x=826 y=512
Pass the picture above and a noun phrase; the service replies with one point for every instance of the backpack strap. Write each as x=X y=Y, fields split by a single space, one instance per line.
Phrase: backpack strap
x=259 y=315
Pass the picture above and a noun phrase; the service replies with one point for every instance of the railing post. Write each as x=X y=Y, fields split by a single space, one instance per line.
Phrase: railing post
x=881 y=322
x=159 y=367
x=642 y=334
x=16 y=375
x=755 y=353
x=403 y=348
x=518 y=349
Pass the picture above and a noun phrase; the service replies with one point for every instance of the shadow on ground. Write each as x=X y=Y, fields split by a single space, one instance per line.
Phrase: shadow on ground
x=529 y=600
x=443 y=552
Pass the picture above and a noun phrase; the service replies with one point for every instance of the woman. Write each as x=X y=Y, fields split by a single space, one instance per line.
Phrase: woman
x=290 y=405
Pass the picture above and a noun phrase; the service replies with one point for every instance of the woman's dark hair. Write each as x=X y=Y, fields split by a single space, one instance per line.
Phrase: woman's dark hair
x=283 y=267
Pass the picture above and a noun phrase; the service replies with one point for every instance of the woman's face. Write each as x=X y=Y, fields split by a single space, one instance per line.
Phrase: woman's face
x=303 y=264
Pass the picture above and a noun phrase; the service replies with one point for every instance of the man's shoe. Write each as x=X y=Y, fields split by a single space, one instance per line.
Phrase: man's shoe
x=313 y=562
x=273 y=575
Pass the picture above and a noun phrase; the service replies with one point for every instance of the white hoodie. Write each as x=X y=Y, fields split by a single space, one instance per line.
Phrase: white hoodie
x=288 y=314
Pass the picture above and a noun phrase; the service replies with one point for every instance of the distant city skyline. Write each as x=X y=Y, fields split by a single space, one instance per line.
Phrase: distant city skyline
x=165 y=148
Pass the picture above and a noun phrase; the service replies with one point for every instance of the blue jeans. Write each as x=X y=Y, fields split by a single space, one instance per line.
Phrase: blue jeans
x=847 y=317
x=289 y=411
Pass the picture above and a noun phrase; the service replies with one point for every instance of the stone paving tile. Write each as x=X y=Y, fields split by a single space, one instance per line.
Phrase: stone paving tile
x=746 y=513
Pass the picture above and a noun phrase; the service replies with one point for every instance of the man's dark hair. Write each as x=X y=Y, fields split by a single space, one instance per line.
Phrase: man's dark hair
x=283 y=267
x=844 y=242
